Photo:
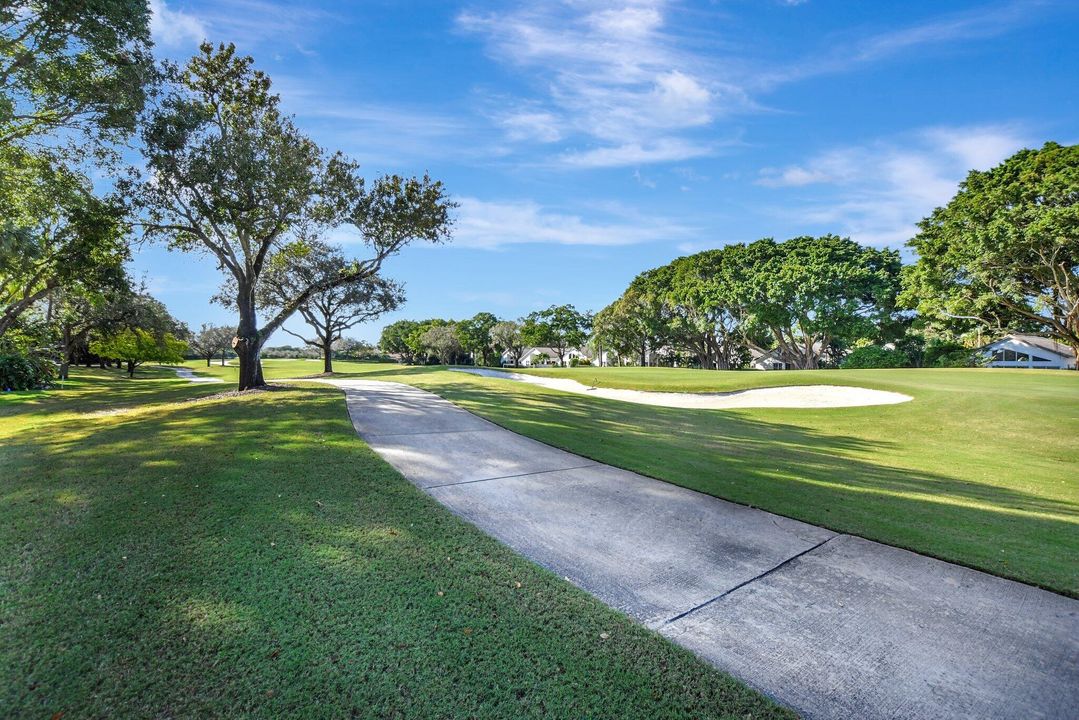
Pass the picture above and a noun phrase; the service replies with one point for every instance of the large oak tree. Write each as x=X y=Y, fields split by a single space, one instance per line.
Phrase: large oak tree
x=1003 y=255
x=229 y=175
x=809 y=292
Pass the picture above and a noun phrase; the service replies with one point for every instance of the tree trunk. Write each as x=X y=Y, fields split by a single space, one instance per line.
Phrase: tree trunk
x=247 y=343
x=65 y=352
x=247 y=352
x=130 y=369
x=327 y=358
x=208 y=361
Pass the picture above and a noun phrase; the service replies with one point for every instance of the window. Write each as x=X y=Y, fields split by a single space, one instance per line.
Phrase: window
x=1013 y=356
x=1035 y=358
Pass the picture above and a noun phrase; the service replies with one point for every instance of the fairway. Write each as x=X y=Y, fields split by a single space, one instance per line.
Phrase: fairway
x=249 y=556
x=979 y=469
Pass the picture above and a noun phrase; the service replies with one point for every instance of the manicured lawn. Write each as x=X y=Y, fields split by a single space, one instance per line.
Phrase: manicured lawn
x=250 y=557
x=982 y=468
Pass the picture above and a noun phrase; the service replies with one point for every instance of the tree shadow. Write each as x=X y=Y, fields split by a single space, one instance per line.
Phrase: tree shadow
x=250 y=557
x=825 y=478
x=94 y=390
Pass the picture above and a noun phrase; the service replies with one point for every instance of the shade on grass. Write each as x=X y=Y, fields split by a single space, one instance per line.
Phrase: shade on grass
x=250 y=557
x=982 y=468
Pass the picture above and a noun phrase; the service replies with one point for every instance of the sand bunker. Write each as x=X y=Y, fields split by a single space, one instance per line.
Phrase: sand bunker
x=793 y=396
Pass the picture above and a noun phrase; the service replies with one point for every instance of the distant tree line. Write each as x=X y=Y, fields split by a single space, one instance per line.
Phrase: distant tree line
x=484 y=338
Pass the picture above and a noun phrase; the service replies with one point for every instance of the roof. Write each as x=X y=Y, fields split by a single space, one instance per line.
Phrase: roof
x=1042 y=343
x=553 y=352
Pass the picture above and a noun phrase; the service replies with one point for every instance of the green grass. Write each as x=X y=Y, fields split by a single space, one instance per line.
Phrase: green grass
x=982 y=468
x=251 y=557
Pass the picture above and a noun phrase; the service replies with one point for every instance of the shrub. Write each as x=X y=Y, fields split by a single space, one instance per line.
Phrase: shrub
x=956 y=359
x=940 y=353
x=874 y=356
x=25 y=372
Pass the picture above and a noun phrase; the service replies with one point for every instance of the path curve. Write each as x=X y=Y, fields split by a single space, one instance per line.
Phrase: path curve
x=832 y=625
x=789 y=396
x=189 y=375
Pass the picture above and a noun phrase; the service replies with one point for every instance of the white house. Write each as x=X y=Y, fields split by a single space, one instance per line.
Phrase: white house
x=773 y=359
x=766 y=360
x=545 y=356
x=1028 y=351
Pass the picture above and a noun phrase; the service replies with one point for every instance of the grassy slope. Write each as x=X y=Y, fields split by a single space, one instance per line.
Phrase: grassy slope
x=982 y=468
x=251 y=557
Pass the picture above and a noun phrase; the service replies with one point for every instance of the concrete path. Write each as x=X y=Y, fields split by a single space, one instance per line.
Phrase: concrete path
x=787 y=396
x=190 y=376
x=831 y=625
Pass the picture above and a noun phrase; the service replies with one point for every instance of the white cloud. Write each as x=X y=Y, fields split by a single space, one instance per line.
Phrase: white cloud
x=174 y=28
x=944 y=30
x=662 y=150
x=880 y=190
x=495 y=224
x=530 y=124
x=643 y=181
x=250 y=24
x=609 y=73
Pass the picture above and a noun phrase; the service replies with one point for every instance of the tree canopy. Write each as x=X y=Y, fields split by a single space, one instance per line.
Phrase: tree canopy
x=211 y=341
x=809 y=292
x=135 y=346
x=443 y=341
x=228 y=173
x=559 y=327
x=475 y=335
x=506 y=337
x=73 y=66
x=328 y=312
x=394 y=339
x=54 y=233
x=1003 y=255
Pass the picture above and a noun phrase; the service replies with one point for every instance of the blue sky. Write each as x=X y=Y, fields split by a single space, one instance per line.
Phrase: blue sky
x=587 y=141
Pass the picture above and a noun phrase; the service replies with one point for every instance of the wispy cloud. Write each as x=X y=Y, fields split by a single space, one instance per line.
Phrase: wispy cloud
x=251 y=24
x=610 y=75
x=498 y=224
x=172 y=28
x=944 y=30
x=877 y=192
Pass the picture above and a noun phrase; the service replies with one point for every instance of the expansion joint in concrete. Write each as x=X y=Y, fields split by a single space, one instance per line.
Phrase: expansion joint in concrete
x=507 y=477
x=754 y=579
x=429 y=432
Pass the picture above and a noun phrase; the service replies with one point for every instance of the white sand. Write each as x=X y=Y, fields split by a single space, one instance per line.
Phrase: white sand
x=190 y=376
x=792 y=396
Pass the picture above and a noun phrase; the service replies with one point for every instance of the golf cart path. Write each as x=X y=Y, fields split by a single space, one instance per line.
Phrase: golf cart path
x=832 y=625
x=790 y=396
x=189 y=375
